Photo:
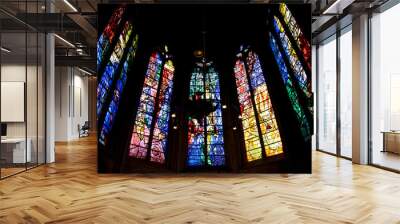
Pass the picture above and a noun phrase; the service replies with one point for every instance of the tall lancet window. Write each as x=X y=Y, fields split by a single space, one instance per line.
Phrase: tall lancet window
x=106 y=38
x=120 y=85
x=290 y=88
x=205 y=137
x=297 y=34
x=150 y=130
x=260 y=129
x=110 y=72
x=294 y=63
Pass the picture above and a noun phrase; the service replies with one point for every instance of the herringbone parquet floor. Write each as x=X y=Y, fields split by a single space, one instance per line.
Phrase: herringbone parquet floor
x=70 y=191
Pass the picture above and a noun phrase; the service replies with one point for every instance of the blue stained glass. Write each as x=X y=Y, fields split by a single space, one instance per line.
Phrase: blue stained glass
x=113 y=108
x=205 y=137
x=290 y=89
x=108 y=75
x=294 y=62
x=159 y=141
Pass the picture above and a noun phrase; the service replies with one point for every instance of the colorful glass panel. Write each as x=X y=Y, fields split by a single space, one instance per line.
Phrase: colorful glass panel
x=266 y=116
x=150 y=131
x=290 y=89
x=205 y=136
x=251 y=83
x=113 y=108
x=106 y=80
x=249 y=123
x=108 y=34
x=297 y=34
x=295 y=64
x=144 y=116
x=160 y=133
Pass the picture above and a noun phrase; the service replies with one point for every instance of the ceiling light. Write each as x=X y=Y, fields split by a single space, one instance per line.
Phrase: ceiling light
x=64 y=40
x=173 y=115
x=5 y=50
x=224 y=106
x=175 y=127
x=234 y=128
x=240 y=116
x=70 y=5
x=84 y=71
x=327 y=11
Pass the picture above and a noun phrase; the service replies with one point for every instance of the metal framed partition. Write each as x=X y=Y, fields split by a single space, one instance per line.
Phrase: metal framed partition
x=22 y=63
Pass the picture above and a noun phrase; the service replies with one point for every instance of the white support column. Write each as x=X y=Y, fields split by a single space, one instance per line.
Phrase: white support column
x=360 y=90
x=50 y=92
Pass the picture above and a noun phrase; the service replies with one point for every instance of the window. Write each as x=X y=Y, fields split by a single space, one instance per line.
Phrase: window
x=150 y=130
x=121 y=81
x=106 y=38
x=205 y=137
x=327 y=95
x=114 y=72
x=295 y=65
x=109 y=74
x=260 y=129
x=385 y=88
x=346 y=93
x=297 y=34
x=290 y=88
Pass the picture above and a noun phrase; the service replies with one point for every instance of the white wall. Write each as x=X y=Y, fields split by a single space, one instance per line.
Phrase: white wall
x=71 y=102
x=33 y=127
x=13 y=73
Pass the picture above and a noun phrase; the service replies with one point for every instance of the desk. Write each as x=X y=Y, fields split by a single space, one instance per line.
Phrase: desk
x=13 y=150
x=391 y=141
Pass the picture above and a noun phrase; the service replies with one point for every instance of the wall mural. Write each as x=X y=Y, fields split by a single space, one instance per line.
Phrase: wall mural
x=196 y=92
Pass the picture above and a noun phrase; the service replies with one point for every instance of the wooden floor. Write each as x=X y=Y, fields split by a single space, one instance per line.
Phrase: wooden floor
x=70 y=191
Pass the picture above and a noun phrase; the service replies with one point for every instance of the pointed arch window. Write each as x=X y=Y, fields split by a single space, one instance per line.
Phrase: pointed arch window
x=205 y=137
x=151 y=125
x=260 y=129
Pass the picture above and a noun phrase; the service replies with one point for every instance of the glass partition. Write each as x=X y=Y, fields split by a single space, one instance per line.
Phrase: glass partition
x=22 y=90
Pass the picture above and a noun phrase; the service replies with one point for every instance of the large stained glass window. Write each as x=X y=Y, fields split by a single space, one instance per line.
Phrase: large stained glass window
x=260 y=129
x=113 y=108
x=108 y=34
x=297 y=34
x=205 y=137
x=295 y=64
x=290 y=89
x=107 y=78
x=150 y=130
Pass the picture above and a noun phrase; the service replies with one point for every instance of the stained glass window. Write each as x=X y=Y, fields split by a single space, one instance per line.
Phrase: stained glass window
x=295 y=64
x=290 y=89
x=113 y=108
x=297 y=34
x=150 y=130
x=108 y=34
x=107 y=78
x=205 y=137
x=260 y=128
